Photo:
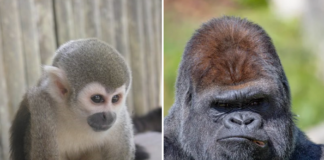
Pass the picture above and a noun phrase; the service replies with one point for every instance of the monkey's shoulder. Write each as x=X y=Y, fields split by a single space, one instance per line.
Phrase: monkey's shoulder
x=19 y=130
x=152 y=121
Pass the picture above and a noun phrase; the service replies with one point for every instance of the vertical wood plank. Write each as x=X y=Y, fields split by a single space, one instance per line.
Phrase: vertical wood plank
x=46 y=29
x=1 y=151
x=120 y=28
x=149 y=54
x=78 y=18
x=4 y=109
x=117 y=25
x=156 y=11
x=121 y=38
x=12 y=53
x=135 y=29
x=29 y=41
x=64 y=21
x=92 y=18
x=107 y=22
x=160 y=23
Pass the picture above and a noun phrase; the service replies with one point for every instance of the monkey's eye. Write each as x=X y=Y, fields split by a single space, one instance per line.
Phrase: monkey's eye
x=97 y=99
x=115 y=98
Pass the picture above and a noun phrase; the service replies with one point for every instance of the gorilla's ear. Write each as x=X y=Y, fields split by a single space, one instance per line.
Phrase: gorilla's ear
x=286 y=87
x=188 y=96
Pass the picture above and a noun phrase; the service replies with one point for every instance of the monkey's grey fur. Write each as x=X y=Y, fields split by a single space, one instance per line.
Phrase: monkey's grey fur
x=34 y=129
x=195 y=121
x=83 y=67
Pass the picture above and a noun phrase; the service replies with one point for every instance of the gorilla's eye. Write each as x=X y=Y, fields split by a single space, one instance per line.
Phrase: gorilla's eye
x=97 y=98
x=255 y=102
x=115 y=98
x=221 y=104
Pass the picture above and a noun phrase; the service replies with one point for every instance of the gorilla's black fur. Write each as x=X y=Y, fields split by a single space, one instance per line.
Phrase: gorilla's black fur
x=233 y=99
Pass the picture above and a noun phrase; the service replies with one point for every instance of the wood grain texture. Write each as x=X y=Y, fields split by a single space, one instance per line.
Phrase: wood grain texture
x=12 y=53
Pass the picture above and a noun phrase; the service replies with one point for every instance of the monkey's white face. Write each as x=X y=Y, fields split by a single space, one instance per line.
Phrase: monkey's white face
x=96 y=98
x=101 y=105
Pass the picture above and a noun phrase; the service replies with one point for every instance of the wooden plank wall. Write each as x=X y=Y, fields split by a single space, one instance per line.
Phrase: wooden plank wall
x=31 y=31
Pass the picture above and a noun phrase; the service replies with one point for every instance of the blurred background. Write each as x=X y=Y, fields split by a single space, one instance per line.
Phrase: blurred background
x=296 y=28
x=31 y=31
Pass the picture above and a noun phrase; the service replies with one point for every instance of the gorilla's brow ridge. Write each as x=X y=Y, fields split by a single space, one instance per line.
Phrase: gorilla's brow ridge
x=244 y=92
x=241 y=95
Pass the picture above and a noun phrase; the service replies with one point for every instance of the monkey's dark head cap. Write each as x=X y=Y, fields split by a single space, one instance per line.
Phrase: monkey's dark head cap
x=92 y=60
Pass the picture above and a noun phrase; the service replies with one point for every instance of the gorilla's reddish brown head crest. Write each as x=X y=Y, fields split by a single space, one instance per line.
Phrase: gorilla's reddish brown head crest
x=229 y=51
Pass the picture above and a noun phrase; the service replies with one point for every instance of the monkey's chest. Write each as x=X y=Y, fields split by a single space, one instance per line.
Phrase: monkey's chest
x=75 y=143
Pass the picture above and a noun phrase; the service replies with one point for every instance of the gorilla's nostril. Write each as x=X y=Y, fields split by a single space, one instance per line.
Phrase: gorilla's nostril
x=234 y=120
x=248 y=121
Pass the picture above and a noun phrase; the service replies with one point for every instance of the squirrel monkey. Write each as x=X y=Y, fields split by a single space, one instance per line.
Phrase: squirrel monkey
x=77 y=110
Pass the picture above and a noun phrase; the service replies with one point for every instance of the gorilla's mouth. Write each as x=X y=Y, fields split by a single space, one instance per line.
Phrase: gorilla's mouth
x=257 y=142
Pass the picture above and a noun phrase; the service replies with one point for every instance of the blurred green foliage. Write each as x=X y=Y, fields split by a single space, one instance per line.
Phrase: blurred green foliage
x=307 y=91
x=253 y=3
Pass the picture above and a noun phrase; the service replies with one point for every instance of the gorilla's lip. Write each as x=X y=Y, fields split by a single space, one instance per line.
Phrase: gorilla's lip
x=258 y=142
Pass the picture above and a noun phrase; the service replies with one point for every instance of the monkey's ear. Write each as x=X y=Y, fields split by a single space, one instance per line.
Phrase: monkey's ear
x=58 y=83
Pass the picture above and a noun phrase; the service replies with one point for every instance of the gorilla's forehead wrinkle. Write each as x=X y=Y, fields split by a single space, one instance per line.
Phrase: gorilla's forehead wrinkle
x=232 y=67
x=228 y=51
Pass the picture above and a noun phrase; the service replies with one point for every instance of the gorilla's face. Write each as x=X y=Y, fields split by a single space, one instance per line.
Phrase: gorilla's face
x=233 y=98
x=246 y=121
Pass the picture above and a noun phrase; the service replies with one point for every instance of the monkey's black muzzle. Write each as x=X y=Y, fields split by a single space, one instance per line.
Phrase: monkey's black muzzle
x=101 y=121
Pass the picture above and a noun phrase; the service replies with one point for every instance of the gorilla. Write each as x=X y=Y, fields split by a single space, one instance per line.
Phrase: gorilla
x=233 y=99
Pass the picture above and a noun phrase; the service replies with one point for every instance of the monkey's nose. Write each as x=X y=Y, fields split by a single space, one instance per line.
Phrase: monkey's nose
x=101 y=121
